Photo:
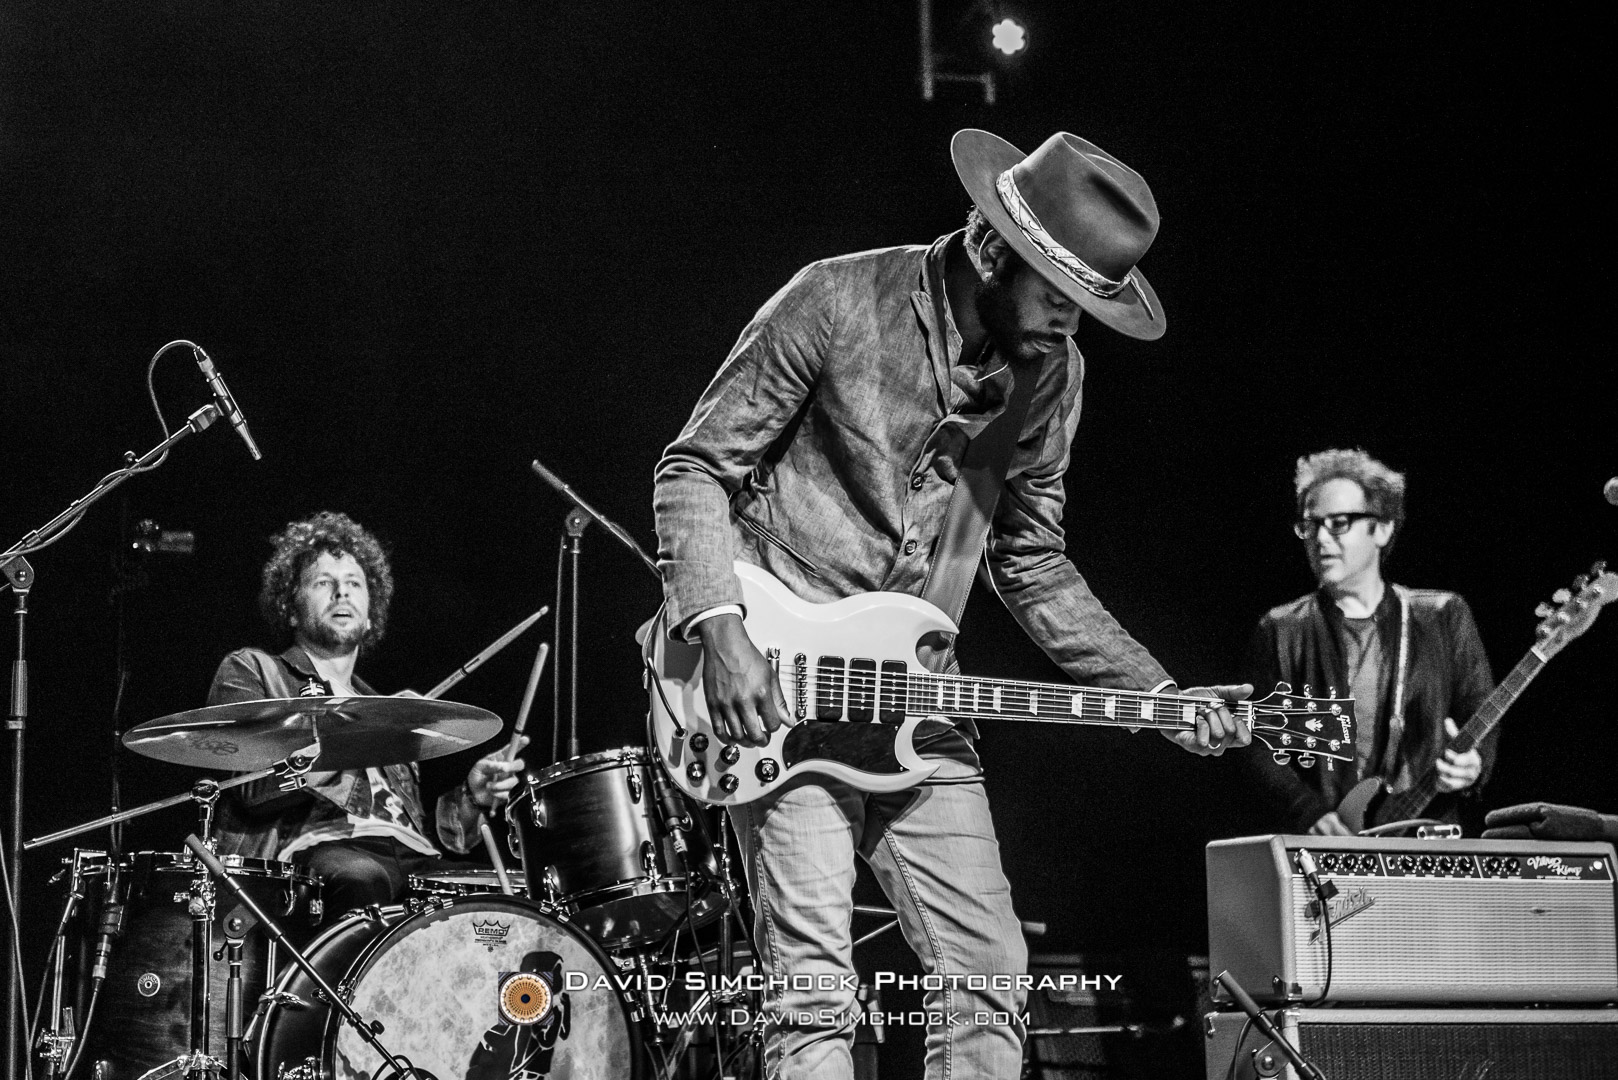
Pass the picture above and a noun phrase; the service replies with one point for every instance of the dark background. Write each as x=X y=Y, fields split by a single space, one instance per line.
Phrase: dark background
x=430 y=243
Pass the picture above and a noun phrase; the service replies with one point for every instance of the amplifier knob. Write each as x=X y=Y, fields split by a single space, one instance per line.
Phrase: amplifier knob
x=1425 y=864
x=1407 y=863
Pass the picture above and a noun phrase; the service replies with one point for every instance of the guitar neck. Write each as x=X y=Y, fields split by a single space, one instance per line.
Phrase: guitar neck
x=888 y=691
x=1408 y=804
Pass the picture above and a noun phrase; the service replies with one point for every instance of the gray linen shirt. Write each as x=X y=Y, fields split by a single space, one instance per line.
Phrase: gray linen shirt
x=814 y=453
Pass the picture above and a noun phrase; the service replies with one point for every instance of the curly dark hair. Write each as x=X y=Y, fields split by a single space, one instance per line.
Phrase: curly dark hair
x=301 y=543
x=1384 y=488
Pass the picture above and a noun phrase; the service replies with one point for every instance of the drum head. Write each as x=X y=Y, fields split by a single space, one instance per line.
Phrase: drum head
x=448 y=987
x=588 y=763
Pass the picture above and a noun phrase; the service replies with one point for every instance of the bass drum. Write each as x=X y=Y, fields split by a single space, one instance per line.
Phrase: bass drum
x=483 y=988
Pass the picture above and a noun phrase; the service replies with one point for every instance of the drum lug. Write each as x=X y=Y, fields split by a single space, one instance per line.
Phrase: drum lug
x=633 y=776
x=648 y=861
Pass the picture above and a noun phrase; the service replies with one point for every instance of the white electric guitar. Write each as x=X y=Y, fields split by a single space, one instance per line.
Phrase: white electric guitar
x=855 y=694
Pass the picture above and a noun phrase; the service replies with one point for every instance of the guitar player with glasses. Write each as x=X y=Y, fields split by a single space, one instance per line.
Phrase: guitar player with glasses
x=1411 y=659
x=831 y=456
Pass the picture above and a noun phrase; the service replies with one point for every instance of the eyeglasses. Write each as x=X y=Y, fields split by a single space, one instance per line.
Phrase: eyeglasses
x=1336 y=524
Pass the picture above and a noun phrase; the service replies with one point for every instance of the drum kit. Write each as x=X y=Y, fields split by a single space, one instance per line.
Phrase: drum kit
x=183 y=970
x=191 y=964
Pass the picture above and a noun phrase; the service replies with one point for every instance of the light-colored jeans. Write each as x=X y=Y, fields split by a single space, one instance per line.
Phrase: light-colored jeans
x=934 y=852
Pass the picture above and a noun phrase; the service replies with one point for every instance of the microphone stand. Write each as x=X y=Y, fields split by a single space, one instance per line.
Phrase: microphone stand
x=370 y=1032
x=1305 y=1068
x=578 y=518
x=20 y=576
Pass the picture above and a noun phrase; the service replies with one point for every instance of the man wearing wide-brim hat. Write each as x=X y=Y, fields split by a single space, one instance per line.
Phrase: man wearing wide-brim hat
x=827 y=450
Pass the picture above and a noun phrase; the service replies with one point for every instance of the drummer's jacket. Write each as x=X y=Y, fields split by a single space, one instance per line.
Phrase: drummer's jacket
x=258 y=820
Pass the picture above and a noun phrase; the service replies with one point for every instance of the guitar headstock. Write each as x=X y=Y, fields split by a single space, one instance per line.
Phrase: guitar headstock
x=1574 y=609
x=1302 y=724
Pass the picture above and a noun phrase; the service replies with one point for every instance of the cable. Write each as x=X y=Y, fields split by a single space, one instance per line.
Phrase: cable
x=1235 y=1055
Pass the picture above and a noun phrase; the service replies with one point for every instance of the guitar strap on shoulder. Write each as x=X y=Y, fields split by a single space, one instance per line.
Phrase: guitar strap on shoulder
x=983 y=470
x=1396 y=715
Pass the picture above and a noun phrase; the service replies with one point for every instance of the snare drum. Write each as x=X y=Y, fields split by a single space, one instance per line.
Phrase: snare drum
x=144 y=1017
x=594 y=844
x=484 y=988
x=463 y=883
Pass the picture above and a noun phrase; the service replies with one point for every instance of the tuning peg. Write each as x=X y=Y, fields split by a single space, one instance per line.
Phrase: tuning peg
x=1306 y=761
x=1281 y=757
x=1561 y=596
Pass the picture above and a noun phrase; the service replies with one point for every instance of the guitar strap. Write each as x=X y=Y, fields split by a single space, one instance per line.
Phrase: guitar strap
x=983 y=471
x=1396 y=716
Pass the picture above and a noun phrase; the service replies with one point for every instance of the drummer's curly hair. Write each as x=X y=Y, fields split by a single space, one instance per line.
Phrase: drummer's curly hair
x=301 y=543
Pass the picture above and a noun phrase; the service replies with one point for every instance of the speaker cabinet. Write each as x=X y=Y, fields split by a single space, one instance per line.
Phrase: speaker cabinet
x=1422 y=1044
x=1417 y=921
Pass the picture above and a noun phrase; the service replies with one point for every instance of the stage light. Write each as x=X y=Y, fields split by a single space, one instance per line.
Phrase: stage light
x=1009 y=37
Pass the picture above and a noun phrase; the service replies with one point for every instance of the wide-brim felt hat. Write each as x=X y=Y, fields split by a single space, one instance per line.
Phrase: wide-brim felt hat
x=1076 y=214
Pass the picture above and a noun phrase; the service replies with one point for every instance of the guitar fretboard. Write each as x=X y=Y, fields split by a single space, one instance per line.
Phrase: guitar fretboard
x=861 y=690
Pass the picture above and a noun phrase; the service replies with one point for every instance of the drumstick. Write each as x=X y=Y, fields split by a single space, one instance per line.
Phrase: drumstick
x=510 y=753
x=473 y=664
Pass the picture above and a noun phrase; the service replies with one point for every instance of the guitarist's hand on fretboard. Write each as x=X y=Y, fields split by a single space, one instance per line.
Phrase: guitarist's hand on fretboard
x=1457 y=772
x=1217 y=730
x=744 y=697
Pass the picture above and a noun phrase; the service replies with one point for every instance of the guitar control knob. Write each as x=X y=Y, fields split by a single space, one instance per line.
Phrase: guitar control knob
x=766 y=770
x=729 y=783
x=730 y=754
x=699 y=742
x=695 y=771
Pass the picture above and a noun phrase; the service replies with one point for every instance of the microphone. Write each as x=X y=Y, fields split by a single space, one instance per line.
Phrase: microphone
x=1323 y=891
x=109 y=926
x=151 y=540
x=1610 y=490
x=227 y=404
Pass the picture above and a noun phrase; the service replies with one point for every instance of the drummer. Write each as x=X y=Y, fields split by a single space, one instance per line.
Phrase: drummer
x=327 y=588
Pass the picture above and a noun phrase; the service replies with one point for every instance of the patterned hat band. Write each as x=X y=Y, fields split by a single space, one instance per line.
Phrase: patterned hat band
x=1069 y=263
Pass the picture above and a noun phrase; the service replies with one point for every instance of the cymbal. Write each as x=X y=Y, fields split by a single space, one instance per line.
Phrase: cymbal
x=354 y=732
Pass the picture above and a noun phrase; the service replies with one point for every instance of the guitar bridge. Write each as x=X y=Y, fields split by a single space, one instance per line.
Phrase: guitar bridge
x=800 y=687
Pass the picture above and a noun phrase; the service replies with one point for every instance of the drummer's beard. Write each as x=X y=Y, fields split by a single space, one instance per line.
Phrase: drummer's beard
x=318 y=632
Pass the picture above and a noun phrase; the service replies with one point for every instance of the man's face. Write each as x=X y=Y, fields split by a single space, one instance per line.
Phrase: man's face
x=1026 y=316
x=1354 y=558
x=334 y=603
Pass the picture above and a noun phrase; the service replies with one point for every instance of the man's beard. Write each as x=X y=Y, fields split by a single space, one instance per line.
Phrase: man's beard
x=996 y=310
x=329 y=637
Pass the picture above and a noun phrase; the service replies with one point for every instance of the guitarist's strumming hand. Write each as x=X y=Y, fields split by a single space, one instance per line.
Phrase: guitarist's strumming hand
x=745 y=702
x=1457 y=772
x=1330 y=825
x=1217 y=730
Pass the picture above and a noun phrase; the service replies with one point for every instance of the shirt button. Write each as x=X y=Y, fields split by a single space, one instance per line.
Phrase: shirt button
x=916 y=482
x=910 y=547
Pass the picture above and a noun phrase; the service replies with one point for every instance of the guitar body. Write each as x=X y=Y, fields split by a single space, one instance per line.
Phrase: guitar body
x=1365 y=804
x=872 y=755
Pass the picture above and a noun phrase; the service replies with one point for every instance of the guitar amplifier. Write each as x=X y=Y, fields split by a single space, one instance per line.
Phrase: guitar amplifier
x=1421 y=1044
x=1415 y=920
